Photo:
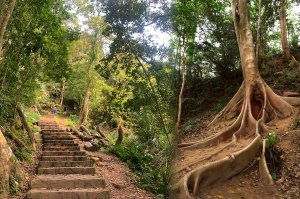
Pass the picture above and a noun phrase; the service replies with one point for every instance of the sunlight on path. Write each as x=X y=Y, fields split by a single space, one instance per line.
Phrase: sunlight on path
x=61 y=120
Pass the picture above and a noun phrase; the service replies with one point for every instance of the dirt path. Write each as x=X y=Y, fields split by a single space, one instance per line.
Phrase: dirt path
x=119 y=179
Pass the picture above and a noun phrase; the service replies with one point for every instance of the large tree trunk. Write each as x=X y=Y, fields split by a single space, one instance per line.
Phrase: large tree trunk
x=5 y=13
x=25 y=125
x=258 y=35
x=284 y=41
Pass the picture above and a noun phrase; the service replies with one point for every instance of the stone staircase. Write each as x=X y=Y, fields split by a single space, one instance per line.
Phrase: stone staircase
x=64 y=171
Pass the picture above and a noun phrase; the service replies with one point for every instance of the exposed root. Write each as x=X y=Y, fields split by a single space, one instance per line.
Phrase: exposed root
x=254 y=108
x=263 y=167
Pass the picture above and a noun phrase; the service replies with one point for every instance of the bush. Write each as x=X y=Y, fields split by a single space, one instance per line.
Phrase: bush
x=152 y=175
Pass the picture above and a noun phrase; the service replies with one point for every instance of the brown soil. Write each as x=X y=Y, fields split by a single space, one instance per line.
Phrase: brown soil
x=119 y=180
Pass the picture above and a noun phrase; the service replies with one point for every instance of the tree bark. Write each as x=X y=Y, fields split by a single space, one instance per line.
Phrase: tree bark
x=258 y=36
x=25 y=125
x=5 y=155
x=120 y=135
x=86 y=99
x=180 y=97
x=4 y=18
x=283 y=29
x=61 y=99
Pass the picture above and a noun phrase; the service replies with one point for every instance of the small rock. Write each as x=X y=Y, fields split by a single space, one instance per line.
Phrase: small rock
x=88 y=146
x=118 y=185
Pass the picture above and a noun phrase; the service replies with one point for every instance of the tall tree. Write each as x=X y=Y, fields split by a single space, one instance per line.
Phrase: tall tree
x=96 y=26
x=283 y=29
x=252 y=107
x=6 y=10
x=284 y=41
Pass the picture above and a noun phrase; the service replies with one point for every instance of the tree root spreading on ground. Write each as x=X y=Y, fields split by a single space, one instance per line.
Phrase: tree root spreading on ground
x=256 y=109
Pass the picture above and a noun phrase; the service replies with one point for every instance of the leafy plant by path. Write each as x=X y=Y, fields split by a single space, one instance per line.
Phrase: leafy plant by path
x=273 y=155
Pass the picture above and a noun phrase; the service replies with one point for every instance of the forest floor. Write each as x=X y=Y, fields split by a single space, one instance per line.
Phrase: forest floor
x=208 y=100
x=120 y=181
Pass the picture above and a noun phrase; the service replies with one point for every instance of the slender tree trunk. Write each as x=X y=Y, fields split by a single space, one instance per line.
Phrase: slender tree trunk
x=86 y=99
x=120 y=135
x=61 y=99
x=283 y=29
x=4 y=18
x=180 y=97
x=25 y=125
x=258 y=36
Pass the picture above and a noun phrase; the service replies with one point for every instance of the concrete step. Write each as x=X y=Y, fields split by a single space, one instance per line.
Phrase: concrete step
x=67 y=182
x=53 y=130
x=68 y=194
x=59 y=142
x=61 y=148
x=47 y=164
x=67 y=170
x=64 y=158
x=58 y=137
x=56 y=134
x=63 y=153
x=49 y=126
x=46 y=123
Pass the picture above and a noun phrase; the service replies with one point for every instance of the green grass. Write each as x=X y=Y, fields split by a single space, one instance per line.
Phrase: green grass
x=72 y=120
x=32 y=117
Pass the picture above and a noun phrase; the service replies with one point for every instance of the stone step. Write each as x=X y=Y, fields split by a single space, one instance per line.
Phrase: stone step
x=52 y=130
x=47 y=164
x=50 y=127
x=67 y=182
x=63 y=153
x=56 y=134
x=64 y=158
x=61 y=148
x=67 y=170
x=59 y=142
x=60 y=137
x=68 y=194
x=45 y=123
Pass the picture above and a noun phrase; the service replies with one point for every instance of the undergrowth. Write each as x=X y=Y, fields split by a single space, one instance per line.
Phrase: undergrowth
x=153 y=175
x=273 y=155
x=147 y=152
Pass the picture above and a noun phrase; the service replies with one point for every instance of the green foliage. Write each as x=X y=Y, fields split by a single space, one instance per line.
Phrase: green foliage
x=72 y=120
x=138 y=156
x=23 y=155
x=221 y=104
x=32 y=117
x=296 y=124
x=272 y=139
x=35 y=51
x=188 y=128
x=13 y=185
